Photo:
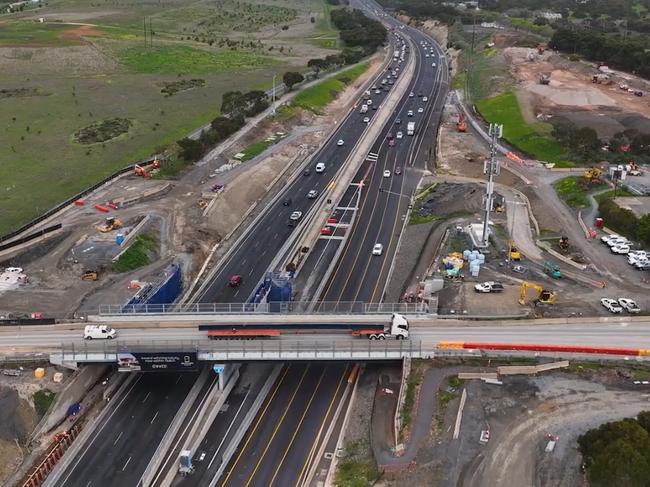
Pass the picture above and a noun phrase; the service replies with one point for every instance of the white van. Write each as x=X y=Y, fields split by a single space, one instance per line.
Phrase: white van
x=92 y=332
x=320 y=167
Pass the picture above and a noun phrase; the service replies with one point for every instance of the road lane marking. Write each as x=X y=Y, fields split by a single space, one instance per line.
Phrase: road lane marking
x=178 y=380
x=127 y=462
x=154 y=418
x=236 y=293
x=320 y=430
x=146 y=397
x=257 y=423
x=251 y=271
x=277 y=427
x=118 y=438
x=232 y=423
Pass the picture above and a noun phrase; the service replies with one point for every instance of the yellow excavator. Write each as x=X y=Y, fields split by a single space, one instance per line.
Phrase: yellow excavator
x=111 y=224
x=544 y=296
x=513 y=252
x=593 y=175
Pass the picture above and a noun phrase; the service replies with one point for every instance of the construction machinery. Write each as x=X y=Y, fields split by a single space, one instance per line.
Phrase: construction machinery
x=544 y=296
x=593 y=175
x=461 y=126
x=545 y=79
x=564 y=244
x=89 y=276
x=552 y=270
x=109 y=225
x=601 y=79
x=513 y=252
x=143 y=171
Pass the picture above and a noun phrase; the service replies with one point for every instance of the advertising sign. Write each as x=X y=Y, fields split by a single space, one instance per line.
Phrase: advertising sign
x=157 y=362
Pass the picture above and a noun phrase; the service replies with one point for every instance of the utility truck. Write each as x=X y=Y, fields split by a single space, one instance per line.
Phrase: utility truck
x=410 y=128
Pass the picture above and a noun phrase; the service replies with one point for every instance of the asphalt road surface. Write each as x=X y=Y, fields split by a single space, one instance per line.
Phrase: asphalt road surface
x=277 y=447
x=120 y=449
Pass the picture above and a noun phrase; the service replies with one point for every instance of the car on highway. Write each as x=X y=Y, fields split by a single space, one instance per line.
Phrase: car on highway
x=411 y=94
x=320 y=167
x=629 y=305
x=489 y=287
x=306 y=172
x=286 y=202
x=235 y=280
x=420 y=110
x=399 y=134
x=374 y=107
x=425 y=99
x=377 y=92
x=409 y=113
x=369 y=101
x=101 y=332
x=391 y=143
x=433 y=65
x=312 y=194
x=326 y=231
x=426 y=55
x=391 y=82
x=295 y=218
x=398 y=121
x=377 y=249
x=340 y=142
x=611 y=305
x=366 y=119
x=398 y=171
x=386 y=173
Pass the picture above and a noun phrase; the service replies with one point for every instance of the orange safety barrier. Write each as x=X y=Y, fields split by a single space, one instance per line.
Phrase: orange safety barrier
x=110 y=204
x=101 y=208
x=79 y=202
x=528 y=347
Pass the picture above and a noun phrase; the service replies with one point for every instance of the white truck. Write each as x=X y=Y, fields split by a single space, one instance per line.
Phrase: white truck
x=396 y=54
x=364 y=108
x=410 y=128
x=92 y=332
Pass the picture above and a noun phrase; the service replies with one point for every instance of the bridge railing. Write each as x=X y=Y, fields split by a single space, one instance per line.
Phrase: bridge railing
x=291 y=307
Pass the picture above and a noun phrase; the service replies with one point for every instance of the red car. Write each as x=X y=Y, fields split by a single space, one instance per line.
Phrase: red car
x=326 y=231
x=235 y=280
x=391 y=143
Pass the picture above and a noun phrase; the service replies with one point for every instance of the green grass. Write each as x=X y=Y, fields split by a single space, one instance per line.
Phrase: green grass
x=458 y=82
x=137 y=255
x=173 y=59
x=355 y=474
x=42 y=401
x=26 y=33
x=529 y=25
x=412 y=383
x=316 y=97
x=610 y=194
x=532 y=139
x=573 y=191
x=259 y=147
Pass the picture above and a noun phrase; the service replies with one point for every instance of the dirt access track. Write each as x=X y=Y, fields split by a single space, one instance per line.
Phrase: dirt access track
x=571 y=94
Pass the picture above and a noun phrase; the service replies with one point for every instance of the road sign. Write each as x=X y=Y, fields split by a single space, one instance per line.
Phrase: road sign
x=218 y=368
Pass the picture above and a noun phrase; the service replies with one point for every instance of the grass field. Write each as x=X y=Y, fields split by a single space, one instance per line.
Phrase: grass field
x=534 y=140
x=318 y=96
x=572 y=191
x=74 y=76
x=258 y=147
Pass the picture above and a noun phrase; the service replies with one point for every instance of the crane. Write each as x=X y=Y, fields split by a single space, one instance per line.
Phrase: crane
x=544 y=295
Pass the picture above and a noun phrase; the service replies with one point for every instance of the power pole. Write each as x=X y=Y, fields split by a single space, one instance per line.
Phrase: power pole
x=491 y=169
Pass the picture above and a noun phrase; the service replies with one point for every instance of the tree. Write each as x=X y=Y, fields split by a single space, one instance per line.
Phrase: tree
x=191 y=150
x=291 y=78
x=317 y=65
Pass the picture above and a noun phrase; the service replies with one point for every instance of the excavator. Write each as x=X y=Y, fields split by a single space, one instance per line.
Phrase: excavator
x=593 y=175
x=544 y=296
x=564 y=244
x=513 y=252
x=143 y=172
x=111 y=224
x=461 y=126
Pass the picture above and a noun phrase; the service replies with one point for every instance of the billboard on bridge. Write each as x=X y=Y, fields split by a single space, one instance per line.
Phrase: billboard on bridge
x=157 y=361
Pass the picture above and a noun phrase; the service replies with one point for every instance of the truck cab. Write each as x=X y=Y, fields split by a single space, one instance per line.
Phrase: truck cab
x=399 y=326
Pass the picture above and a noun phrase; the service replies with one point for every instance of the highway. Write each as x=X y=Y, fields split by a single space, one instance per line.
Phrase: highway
x=121 y=447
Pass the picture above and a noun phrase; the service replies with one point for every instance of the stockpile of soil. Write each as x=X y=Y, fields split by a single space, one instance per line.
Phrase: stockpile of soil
x=447 y=199
x=17 y=421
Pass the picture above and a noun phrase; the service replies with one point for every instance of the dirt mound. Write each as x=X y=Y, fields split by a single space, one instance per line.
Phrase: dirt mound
x=446 y=199
x=78 y=32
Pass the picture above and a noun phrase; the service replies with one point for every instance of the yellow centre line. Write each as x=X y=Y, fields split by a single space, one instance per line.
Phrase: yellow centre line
x=257 y=423
x=277 y=427
x=322 y=425
x=295 y=431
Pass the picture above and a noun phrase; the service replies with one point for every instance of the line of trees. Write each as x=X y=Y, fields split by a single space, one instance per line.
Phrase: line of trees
x=629 y=54
x=617 y=454
x=235 y=108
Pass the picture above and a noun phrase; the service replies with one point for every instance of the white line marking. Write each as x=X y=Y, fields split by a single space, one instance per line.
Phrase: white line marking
x=228 y=430
x=127 y=462
x=118 y=438
x=146 y=397
x=154 y=418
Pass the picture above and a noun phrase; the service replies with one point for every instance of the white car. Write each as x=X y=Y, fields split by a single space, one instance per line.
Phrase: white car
x=369 y=101
x=611 y=305
x=411 y=94
x=399 y=134
x=366 y=119
x=606 y=238
x=377 y=249
x=620 y=249
x=420 y=110
x=386 y=173
x=629 y=305
x=433 y=65
x=425 y=99
x=320 y=167
x=410 y=113
x=426 y=55
x=312 y=194
x=377 y=92
x=613 y=242
x=489 y=287
x=340 y=142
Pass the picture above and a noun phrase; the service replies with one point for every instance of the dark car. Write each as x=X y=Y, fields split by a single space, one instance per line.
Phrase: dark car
x=235 y=280
x=391 y=143
x=398 y=121
x=306 y=172
x=287 y=202
x=398 y=171
x=374 y=107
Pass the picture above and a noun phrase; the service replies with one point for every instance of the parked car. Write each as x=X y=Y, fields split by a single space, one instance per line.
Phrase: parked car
x=629 y=305
x=620 y=249
x=611 y=305
x=489 y=287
